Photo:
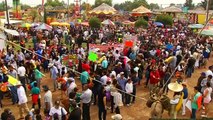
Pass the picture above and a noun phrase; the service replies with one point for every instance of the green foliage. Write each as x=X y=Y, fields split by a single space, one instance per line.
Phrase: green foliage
x=25 y=6
x=94 y=22
x=2 y=6
x=154 y=6
x=54 y=3
x=141 y=23
x=204 y=4
x=189 y=4
x=129 y=6
x=34 y=14
x=165 y=19
x=99 y=2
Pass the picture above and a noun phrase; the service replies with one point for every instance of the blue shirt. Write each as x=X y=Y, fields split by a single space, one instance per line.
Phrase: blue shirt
x=122 y=82
x=84 y=77
x=104 y=64
x=132 y=56
x=185 y=92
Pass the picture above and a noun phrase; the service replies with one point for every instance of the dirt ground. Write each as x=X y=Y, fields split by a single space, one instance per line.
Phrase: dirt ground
x=137 y=111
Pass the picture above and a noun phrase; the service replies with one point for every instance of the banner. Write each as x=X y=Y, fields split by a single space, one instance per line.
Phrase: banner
x=17 y=9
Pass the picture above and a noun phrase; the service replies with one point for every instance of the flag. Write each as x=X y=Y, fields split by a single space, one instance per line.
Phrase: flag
x=13 y=81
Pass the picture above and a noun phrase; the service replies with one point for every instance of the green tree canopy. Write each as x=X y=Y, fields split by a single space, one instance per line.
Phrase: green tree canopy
x=141 y=23
x=154 y=6
x=2 y=6
x=189 y=4
x=165 y=19
x=54 y=3
x=25 y=6
x=204 y=4
x=99 y=2
x=94 y=22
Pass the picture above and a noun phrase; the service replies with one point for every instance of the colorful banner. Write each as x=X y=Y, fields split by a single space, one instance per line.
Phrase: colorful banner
x=17 y=9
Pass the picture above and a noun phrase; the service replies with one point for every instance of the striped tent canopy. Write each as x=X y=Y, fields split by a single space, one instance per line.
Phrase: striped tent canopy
x=172 y=9
x=141 y=10
x=103 y=9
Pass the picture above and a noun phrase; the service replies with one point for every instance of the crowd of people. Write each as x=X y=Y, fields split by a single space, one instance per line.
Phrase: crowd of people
x=111 y=81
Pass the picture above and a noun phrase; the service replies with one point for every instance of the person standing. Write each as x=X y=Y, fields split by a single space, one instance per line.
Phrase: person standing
x=47 y=98
x=76 y=112
x=196 y=96
x=54 y=74
x=84 y=77
x=22 y=100
x=22 y=74
x=154 y=78
x=102 y=104
x=36 y=96
x=13 y=89
x=57 y=112
x=135 y=80
x=207 y=97
x=86 y=99
x=129 y=90
x=185 y=96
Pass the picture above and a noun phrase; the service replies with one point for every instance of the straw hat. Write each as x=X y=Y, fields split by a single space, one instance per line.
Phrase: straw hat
x=18 y=83
x=175 y=87
x=117 y=117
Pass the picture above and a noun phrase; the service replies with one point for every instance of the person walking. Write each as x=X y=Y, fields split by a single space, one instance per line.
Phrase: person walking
x=22 y=75
x=36 y=96
x=13 y=89
x=86 y=99
x=57 y=112
x=102 y=104
x=76 y=112
x=84 y=77
x=47 y=98
x=196 y=96
x=22 y=103
x=54 y=73
x=207 y=97
x=185 y=97
x=129 y=90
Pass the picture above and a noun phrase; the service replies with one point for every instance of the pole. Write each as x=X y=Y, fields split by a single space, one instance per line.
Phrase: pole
x=207 y=11
x=8 y=21
x=68 y=3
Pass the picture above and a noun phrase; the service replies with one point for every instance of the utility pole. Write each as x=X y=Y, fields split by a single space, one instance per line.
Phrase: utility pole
x=7 y=14
x=68 y=3
x=207 y=11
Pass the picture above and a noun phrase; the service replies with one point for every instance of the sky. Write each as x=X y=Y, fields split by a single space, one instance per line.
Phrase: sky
x=160 y=2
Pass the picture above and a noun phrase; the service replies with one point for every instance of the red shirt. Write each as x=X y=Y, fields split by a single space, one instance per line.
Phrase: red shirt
x=86 y=67
x=154 y=77
x=158 y=52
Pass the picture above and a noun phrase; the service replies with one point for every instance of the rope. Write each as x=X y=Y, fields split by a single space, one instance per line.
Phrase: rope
x=76 y=71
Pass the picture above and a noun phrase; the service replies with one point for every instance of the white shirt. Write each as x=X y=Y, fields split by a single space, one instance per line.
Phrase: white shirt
x=48 y=98
x=59 y=111
x=21 y=71
x=129 y=87
x=209 y=72
x=71 y=88
x=86 y=96
x=21 y=95
x=104 y=80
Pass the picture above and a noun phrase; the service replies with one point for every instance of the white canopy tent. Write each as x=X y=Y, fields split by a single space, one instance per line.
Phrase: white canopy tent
x=2 y=40
x=12 y=32
x=4 y=21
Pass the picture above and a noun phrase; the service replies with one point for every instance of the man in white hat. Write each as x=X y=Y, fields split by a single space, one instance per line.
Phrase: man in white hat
x=22 y=100
x=72 y=85
x=117 y=117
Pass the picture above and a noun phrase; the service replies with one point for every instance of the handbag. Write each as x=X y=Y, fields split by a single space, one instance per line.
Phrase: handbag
x=63 y=116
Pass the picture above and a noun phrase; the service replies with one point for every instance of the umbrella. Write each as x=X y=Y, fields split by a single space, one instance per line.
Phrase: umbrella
x=64 y=24
x=127 y=22
x=54 y=23
x=159 y=24
x=26 y=25
x=35 y=24
x=196 y=26
x=43 y=27
x=208 y=32
x=108 y=22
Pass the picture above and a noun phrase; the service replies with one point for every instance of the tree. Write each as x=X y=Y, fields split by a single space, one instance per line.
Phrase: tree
x=172 y=4
x=99 y=2
x=94 y=22
x=25 y=6
x=165 y=19
x=189 y=4
x=204 y=4
x=54 y=3
x=154 y=6
x=141 y=23
x=33 y=14
x=2 y=6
